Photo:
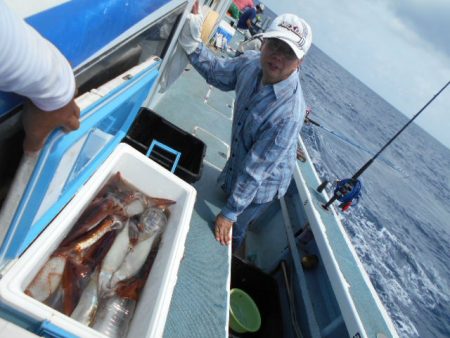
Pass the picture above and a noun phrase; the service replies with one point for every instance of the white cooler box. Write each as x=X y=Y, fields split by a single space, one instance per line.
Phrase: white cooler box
x=153 y=305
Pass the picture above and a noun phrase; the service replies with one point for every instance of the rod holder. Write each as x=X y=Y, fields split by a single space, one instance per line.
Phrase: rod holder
x=332 y=199
x=322 y=186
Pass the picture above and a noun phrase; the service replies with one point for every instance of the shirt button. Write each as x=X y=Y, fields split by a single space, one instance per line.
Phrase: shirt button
x=239 y=123
x=232 y=155
x=235 y=139
x=246 y=108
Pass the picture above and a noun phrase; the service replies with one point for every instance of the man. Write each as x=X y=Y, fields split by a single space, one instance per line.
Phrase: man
x=268 y=115
x=32 y=67
x=246 y=19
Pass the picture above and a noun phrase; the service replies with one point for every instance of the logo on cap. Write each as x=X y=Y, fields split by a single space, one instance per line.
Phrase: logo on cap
x=296 y=30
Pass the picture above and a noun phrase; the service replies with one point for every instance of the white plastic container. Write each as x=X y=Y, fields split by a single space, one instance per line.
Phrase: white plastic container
x=153 y=306
x=226 y=30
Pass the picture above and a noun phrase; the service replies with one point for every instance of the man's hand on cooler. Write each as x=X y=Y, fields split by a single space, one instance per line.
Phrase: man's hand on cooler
x=222 y=230
x=38 y=124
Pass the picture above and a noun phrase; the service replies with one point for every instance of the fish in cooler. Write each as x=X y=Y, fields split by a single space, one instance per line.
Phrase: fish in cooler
x=96 y=274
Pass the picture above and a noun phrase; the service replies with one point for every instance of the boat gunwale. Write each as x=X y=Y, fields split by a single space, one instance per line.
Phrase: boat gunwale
x=346 y=286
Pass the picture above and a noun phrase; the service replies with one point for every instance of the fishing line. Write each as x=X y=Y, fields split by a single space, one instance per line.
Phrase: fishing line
x=343 y=138
x=346 y=140
x=353 y=181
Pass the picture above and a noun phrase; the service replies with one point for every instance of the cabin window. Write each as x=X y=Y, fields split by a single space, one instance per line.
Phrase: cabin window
x=152 y=40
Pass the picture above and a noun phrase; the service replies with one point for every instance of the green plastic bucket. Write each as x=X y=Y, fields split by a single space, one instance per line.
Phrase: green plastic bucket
x=244 y=314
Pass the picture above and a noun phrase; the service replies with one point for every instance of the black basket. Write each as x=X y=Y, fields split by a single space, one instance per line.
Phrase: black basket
x=150 y=127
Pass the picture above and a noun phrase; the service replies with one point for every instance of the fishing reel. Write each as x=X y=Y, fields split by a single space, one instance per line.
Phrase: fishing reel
x=346 y=191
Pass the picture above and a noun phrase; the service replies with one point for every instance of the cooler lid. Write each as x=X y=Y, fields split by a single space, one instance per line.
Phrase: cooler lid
x=68 y=160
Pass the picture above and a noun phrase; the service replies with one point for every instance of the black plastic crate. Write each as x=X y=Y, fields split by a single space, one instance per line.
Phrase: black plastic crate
x=149 y=127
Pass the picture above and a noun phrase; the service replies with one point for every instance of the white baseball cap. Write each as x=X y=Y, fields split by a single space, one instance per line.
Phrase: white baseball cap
x=293 y=30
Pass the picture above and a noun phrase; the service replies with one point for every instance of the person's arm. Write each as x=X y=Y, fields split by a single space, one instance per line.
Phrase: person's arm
x=32 y=67
x=249 y=23
x=221 y=73
x=265 y=155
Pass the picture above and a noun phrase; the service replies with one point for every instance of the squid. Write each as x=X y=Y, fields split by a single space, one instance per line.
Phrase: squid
x=82 y=255
x=114 y=258
x=98 y=270
x=48 y=278
x=78 y=271
x=142 y=237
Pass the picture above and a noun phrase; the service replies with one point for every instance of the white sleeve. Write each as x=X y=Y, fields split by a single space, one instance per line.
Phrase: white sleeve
x=31 y=66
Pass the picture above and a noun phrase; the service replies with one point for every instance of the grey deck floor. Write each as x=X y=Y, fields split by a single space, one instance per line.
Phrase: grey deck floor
x=199 y=306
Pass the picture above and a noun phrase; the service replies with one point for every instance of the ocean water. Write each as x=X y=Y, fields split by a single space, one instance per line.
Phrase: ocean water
x=401 y=227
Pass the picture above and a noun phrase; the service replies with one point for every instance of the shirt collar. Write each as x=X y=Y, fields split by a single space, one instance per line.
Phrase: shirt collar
x=289 y=84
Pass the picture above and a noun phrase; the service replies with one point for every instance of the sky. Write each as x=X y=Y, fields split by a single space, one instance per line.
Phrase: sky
x=400 y=49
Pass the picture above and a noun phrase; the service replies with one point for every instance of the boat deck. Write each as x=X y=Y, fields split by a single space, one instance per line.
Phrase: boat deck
x=199 y=305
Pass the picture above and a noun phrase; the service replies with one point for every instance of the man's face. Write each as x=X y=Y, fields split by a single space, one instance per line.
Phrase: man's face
x=278 y=61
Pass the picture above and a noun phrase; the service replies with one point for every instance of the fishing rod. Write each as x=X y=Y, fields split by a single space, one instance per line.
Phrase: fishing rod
x=347 y=189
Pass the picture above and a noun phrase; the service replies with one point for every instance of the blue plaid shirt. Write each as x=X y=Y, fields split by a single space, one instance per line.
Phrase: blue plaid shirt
x=266 y=123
